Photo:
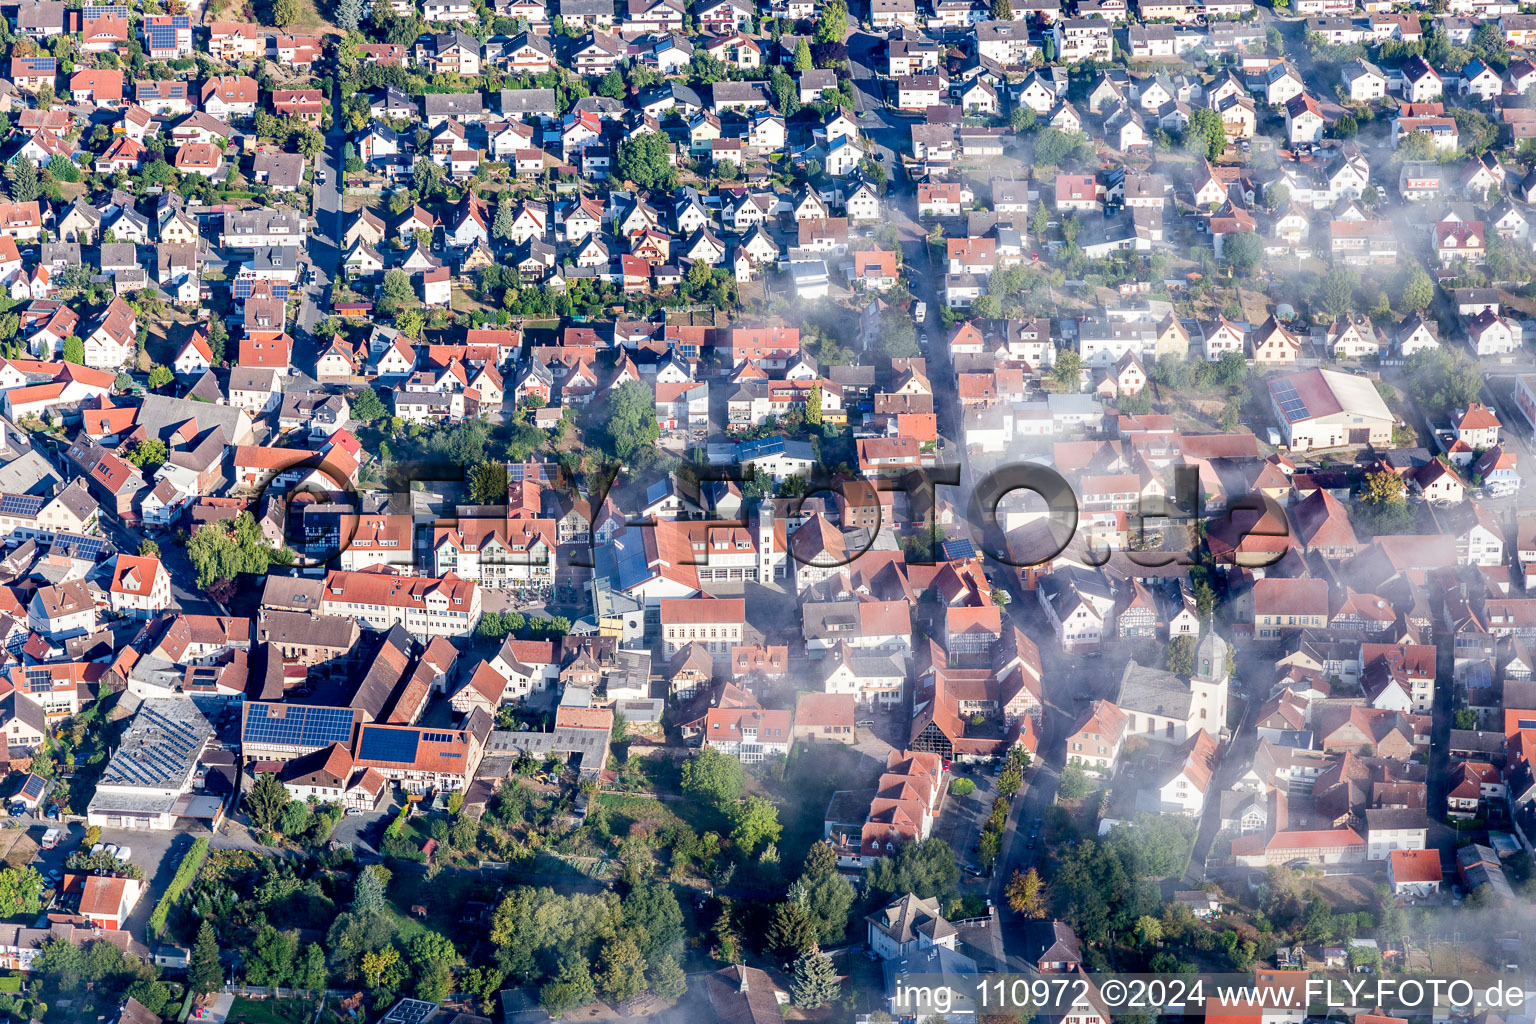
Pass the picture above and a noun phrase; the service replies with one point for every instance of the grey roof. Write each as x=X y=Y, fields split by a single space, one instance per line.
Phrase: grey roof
x=41 y=15
x=27 y=473
x=161 y=746
x=452 y=103
x=1153 y=691
x=906 y=917
x=263 y=221
x=528 y=101
x=293 y=593
x=160 y=414
x=24 y=709
x=283 y=170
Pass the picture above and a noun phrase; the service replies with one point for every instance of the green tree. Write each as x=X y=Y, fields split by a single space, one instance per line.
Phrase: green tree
x=433 y=961
x=310 y=973
x=265 y=802
x=504 y=223
x=1181 y=655
x=488 y=483
x=1074 y=782
x=802 y=59
x=349 y=15
x=1243 y=253
x=824 y=893
x=832 y=24
x=1383 y=503
x=897 y=336
x=1206 y=134
x=204 y=973
x=23 y=180
x=621 y=970
x=1149 y=930
x=1441 y=381
x=814 y=982
x=1464 y=718
x=146 y=547
x=754 y=823
x=1067 y=369
x=74 y=350
x=666 y=978
x=285 y=12
x=294 y=820
x=926 y=869
x=366 y=406
x=1025 y=894
x=396 y=293
x=152 y=993
x=21 y=892
x=714 y=776
x=813 y=406
x=159 y=377
x=628 y=420
x=1009 y=782
x=1418 y=291
x=611 y=85
x=1337 y=293
x=643 y=159
x=790 y=932
x=1054 y=147
x=654 y=918
x=221 y=551
x=1418 y=145
x=272 y=957
x=571 y=987
x=1002 y=10
x=148 y=454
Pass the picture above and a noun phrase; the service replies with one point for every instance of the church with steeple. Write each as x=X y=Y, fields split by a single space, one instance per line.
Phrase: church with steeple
x=1161 y=705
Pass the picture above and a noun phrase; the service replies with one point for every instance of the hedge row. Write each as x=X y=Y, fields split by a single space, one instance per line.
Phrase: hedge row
x=179 y=884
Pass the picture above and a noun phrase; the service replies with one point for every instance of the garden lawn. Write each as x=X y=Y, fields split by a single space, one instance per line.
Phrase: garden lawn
x=270 y=1011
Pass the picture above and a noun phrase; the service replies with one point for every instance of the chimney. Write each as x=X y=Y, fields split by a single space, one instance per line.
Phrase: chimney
x=742 y=970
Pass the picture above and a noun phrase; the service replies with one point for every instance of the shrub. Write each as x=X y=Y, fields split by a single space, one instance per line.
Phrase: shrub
x=185 y=872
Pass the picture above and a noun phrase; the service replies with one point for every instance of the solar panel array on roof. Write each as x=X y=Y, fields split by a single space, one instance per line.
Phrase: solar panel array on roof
x=956 y=550
x=243 y=286
x=158 y=750
x=1291 y=405
x=39 y=680
x=74 y=545
x=33 y=787
x=398 y=745
x=162 y=37
x=410 y=1011
x=41 y=64
x=297 y=725
x=20 y=505
x=109 y=11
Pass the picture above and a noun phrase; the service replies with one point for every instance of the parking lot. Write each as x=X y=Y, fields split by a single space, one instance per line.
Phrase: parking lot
x=363 y=832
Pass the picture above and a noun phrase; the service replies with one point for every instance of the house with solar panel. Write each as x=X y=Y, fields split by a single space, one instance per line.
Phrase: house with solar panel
x=167 y=36
x=1328 y=409
x=152 y=779
x=281 y=731
x=420 y=759
x=30 y=795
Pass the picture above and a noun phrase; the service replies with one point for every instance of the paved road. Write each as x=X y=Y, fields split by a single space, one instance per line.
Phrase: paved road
x=324 y=249
x=189 y=598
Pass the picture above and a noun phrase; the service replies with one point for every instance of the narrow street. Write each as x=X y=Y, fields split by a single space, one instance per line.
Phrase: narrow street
x=324 y=249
